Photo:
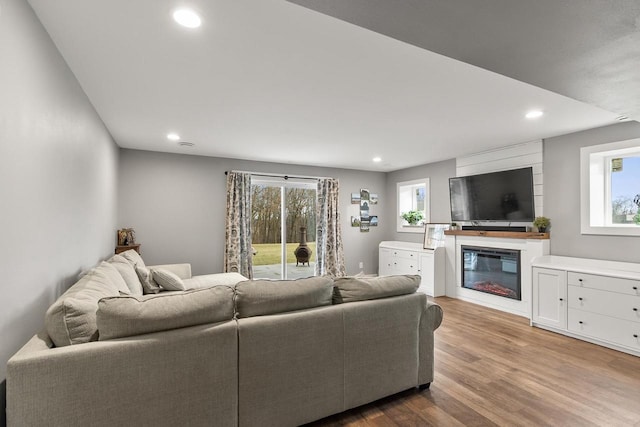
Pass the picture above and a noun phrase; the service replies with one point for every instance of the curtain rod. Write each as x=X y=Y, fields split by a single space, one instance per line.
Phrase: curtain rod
x=278 y=175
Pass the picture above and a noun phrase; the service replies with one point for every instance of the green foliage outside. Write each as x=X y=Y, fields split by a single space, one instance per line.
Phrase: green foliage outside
x=270 y=253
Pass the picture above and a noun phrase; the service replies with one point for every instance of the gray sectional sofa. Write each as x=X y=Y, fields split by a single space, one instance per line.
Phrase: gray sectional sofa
x=225 y=351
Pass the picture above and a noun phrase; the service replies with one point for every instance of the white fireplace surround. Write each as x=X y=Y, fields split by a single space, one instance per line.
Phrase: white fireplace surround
x=529 y=249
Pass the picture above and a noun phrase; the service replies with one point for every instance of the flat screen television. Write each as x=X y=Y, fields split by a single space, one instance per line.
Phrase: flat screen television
x=497 y=196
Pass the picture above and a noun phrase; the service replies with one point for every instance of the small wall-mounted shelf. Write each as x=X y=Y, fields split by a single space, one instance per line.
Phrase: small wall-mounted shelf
x=505 y=234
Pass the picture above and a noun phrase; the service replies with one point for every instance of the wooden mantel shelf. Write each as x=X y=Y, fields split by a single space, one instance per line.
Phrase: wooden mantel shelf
x=504 y=234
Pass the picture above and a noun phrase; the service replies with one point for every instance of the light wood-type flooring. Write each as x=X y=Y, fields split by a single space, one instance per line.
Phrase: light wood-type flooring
x=492 y=368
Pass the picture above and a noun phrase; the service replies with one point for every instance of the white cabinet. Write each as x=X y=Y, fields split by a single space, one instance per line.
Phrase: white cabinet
x=597 y=301
x=411 y=258
x=549 y=297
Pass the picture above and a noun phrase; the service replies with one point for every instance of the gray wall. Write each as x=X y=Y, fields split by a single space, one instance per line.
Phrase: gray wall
x=176 y=204
x=562 y=196
x=438 y=174
x=58 y=178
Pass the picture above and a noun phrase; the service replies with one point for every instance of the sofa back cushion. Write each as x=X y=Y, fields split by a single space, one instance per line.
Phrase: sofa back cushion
x=123 y=316
x=349 y=289
x=262 y=297
x=128 y=273
x=72 y=318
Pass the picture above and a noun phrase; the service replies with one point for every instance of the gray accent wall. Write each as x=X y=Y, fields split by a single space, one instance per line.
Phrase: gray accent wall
x=438 y=174
x=58 y=178
x=177 y=203
x=562 y=196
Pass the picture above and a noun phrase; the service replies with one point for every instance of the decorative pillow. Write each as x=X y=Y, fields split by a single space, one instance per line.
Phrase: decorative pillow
x=149 y=286
x=168 y=280
x=134 y=315
x=128 y=273
x=72 y=318
x=349 y=289
x=261 y=297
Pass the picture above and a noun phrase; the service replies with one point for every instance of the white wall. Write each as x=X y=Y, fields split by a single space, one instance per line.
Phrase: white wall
x=438 y=174
x=562 y=196
x=176 y=204
x=58 y=174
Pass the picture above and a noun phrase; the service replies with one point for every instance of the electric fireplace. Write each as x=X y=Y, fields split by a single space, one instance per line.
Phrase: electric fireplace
x=492 y=270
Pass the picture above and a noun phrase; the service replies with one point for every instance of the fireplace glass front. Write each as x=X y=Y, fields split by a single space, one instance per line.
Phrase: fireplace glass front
x=492 y=270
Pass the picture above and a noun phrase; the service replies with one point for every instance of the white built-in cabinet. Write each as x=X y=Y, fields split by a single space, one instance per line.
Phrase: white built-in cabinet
x=597 y=301
x=410 y=258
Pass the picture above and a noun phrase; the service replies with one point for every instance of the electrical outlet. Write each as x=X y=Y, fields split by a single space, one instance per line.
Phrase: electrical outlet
x=361 y=265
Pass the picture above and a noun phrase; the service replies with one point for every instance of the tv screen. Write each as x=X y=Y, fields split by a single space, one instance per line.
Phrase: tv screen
x=496 y=196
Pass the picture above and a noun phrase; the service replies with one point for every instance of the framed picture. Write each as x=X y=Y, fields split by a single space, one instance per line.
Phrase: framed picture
x=355 y=221
x=434 y=235
x=355 y=198
x=373 y=220
x=373 y=198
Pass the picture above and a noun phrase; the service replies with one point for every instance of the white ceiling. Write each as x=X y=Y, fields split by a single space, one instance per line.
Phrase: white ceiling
x=269 y=80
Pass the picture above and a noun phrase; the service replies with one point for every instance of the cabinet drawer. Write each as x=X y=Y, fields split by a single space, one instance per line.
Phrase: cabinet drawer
x=615 y=331
x=606 y=283
x=602 y=302
x=399 y=253
x=406 y=266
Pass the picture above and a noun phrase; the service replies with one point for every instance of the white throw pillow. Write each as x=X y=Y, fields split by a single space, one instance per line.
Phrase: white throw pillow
x=128 y=273
x=168 y=280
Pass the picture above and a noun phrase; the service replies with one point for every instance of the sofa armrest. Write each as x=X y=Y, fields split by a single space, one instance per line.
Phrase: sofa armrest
x=158 y=379
x=430 y=320
x=183 y=270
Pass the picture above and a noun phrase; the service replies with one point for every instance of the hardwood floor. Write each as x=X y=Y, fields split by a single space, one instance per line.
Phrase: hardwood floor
x=492 y=368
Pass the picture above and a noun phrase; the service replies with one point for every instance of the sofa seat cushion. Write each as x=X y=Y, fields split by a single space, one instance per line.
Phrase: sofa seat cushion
x=208 y=280
x=349 y=289
x=262 y=297
x=72 y=318
x=123 y=316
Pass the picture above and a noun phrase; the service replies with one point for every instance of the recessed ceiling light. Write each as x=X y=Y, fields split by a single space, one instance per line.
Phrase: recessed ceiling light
x=187 y=18
x=173 y=136
x=622 y=118
x=377 y=159
x=534 y=114
x=186 y=144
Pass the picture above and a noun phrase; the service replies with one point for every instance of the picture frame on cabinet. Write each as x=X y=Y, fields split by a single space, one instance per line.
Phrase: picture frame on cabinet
x=434 y=235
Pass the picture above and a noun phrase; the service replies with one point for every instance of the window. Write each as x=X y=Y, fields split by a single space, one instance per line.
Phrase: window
x=610 y=188
x=413 y=196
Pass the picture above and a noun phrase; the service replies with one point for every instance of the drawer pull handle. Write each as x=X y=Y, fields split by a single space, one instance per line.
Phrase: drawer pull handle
x=580 y=298
x=635 y=309
x=635 y=335
x=580 y=322
x=579 y=280
x=635 y=288
x=561 y=299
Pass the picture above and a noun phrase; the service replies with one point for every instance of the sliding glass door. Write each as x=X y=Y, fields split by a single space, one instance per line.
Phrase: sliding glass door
x=283 y=228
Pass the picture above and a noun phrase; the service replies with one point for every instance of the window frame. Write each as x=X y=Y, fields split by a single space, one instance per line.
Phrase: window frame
x=401 y=225
x=595 y=188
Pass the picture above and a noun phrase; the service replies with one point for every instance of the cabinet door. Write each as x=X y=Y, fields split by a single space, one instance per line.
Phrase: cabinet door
x=427 y=273
x=549 y=297
x=385 y=262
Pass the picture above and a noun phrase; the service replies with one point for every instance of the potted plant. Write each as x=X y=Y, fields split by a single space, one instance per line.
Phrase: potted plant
x=413 y=217
x=541 y=223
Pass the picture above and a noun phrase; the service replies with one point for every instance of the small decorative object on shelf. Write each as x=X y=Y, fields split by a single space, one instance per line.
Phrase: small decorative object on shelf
x=412 y=217
x=541 y=223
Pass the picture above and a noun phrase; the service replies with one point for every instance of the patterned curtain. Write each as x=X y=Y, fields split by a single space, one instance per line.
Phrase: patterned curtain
x=329 y=249
x=237 y=252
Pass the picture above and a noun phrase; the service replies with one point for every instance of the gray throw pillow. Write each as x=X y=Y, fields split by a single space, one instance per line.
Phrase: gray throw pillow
x=149 y=286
